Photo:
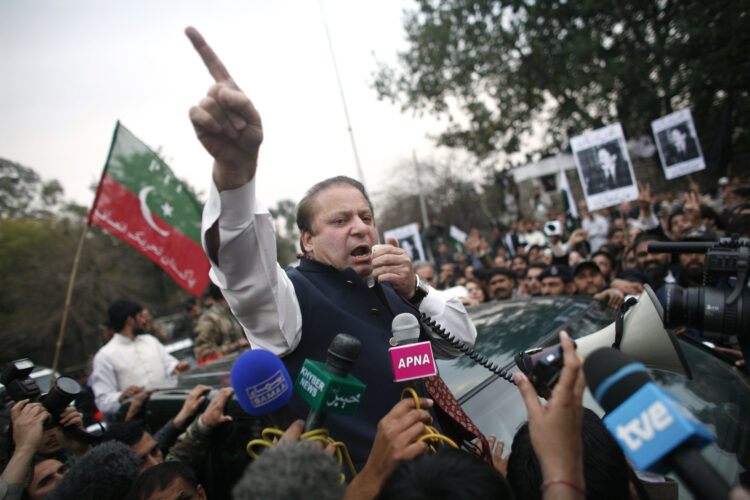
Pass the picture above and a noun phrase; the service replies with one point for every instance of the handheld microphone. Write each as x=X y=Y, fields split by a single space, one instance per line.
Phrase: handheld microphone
x=410 y=359
x=328 y=387
x=652 y=427
x=261 y=382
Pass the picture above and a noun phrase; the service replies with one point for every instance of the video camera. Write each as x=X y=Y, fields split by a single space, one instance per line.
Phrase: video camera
x=708 y=308
x=19 y=386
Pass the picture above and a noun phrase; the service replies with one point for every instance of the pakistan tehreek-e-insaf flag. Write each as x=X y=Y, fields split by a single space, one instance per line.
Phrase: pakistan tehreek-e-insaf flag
x=140 y=201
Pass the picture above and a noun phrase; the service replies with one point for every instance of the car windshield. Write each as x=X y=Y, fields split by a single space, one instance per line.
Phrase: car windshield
x=507 y=328
x=717 y=394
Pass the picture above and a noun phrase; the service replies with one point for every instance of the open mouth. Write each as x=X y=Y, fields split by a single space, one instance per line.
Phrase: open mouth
x=361 y=251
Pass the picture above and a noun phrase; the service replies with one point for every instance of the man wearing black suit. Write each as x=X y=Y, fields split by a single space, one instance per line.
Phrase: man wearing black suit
x=610 y=172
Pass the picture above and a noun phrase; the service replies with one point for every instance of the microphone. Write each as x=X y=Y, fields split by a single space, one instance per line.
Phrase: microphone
x=328 y=387
x=656 y=432
x=410 y=359
x=261 y=382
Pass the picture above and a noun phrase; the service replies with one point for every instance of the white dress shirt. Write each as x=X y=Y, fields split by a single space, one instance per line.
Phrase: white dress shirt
x=123 y=362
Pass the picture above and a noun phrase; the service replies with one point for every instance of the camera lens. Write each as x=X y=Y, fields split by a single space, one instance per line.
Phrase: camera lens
x=59 y=397
x=706 y=309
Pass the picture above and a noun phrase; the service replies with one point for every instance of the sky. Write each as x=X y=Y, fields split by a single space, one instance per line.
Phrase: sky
x=71 y=69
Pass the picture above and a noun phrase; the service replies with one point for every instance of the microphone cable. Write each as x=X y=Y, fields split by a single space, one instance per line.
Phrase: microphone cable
x=321 y=435
x=431 y=434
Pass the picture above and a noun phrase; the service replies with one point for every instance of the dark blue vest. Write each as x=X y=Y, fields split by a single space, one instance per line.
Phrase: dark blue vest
x=335 y=302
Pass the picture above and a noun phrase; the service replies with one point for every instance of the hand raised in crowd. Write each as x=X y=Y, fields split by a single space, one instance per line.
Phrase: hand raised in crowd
x=181 y=367
x=391 y=264
x=136 y=404
x=576 y=237
x=692 y=209
x=627 y=287
x=555 y=429
x=226 y=122
x=28 y=429
x=395 y=440
x=28 y=424
x=500 y=463
x=192 y=404
x=130 y=391
x=214 y=414
x=612 y=296
x=293 y=433
x=70 y=418
x=644 y=199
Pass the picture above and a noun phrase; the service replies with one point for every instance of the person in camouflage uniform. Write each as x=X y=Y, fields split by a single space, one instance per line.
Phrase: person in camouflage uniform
x=217 y=332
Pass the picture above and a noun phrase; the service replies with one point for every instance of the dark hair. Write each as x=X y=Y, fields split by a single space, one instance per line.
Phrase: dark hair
x=305 y=211
x=215 y=292
x=158 y=477
x=120 y=311
x=612 y=230
x=501 y=270
x=298 y=469
x=604 y=466
x=538 y=264
x=190 y=303
x=106 y=472
x=672 y=216
x=435 y=476
x=128 y=432
x=653 y=235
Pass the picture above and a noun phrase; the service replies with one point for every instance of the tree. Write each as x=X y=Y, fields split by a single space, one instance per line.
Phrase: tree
x=573 y=66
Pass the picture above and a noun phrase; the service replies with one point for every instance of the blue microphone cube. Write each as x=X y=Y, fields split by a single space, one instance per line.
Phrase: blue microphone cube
x=650 y=424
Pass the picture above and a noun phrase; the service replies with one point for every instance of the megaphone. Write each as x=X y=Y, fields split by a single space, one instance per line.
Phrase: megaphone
x=644 y=337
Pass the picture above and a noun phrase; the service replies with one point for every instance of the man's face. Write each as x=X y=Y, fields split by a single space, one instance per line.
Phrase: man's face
x=519 y=265
x=653 y=264
x=179 y=489
x=501 y=287
x=606 y=160
x=50 y=443
x=618 y=238
x=588 y=281
x=148 y=450
x=605 y=266
x=427 y=273
x=553 y=285
x=446 y=272
x=678 y=225
x=691 y=267
x=344 y=230
x=533 y=285
x=47 y=473
x=475 y=291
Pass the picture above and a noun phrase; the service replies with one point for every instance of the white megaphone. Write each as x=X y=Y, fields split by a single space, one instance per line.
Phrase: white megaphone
x=644 y=337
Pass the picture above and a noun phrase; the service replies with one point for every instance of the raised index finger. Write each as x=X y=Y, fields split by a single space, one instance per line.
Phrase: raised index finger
x=210 y=59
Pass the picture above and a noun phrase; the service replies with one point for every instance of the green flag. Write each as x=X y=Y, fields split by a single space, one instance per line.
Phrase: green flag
x=140 y=201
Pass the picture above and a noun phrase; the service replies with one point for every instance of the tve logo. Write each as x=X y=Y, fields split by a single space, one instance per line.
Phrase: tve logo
x=656 y=418
x=412 y=361
x=650 y=424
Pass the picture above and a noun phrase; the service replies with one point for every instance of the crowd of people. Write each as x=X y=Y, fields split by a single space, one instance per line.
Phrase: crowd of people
x=603 y=254
x=347 y=282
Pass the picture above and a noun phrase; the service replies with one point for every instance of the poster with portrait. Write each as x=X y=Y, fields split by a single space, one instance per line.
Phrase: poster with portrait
x=604 y=167
x=408 y=239
x=677 y=143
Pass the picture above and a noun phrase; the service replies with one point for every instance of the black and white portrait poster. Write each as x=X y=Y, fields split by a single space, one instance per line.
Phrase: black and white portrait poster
x=604 y=167
x=677 y=143
x=408 y=239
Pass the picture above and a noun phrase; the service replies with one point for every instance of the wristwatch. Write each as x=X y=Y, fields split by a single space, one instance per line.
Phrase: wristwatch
x=420 y=292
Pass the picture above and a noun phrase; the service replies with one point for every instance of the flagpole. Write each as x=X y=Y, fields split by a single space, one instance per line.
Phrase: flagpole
x=72 y=279
x=76 y=259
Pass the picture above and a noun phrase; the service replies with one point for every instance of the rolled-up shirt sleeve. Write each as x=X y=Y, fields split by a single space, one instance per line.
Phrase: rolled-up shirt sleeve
x=258 y=291
x=452 y=316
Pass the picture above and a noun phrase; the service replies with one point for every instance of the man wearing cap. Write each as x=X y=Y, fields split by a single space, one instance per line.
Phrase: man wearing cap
x=556 y=280
x=588 y=280
x=500 y=283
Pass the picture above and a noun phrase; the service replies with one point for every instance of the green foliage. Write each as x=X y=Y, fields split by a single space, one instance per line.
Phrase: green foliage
x=573 y=65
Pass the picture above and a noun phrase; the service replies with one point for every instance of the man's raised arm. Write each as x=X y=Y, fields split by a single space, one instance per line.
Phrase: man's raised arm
x=238 y=233
x=226 y=122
